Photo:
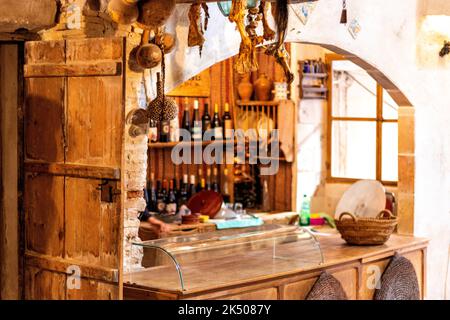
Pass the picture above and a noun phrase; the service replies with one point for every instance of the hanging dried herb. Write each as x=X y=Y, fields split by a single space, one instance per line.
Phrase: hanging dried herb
x=269 y=34
x=246 y=61
x=196 y=28
x=278 y=49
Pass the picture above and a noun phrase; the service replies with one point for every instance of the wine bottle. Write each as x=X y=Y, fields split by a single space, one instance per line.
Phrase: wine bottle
x=186 y=122
x=153 y=131
x=208 y=179
x=164 y=131
x=171 y=205
x=199 y=183
x=202 y=184
x=184 y=192
x=206 y=120
x=192 y=189
x=216 y=124
x=225 y=192
x=160 y=199
x=196 y=128
x=227 y=123
x=151 y=192
x=215 y=184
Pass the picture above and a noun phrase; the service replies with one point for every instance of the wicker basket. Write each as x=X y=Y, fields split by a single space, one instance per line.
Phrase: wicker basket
x=367 y=231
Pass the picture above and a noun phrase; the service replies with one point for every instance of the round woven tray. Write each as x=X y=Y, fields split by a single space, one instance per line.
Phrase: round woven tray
x=367 y=231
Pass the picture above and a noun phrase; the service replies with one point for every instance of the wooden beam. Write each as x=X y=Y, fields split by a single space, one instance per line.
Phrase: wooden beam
x=73 y=70
x=62 y=265
x=193 y=1
x=78 y=171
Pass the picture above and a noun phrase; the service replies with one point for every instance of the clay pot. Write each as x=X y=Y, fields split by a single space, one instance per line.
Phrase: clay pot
x=263 y=88
x=154 y=13
x=148 y=55
x=245 y=88
x=123 y=11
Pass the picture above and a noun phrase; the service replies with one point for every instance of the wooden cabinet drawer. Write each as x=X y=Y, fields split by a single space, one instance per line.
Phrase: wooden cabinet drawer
x=263 y=294
x=299 y=290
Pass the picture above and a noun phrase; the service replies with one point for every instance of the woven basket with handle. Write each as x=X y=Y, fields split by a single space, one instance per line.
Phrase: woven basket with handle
x=366 y=231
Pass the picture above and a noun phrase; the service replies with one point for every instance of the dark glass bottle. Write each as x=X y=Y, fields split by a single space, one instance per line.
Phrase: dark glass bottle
x=208 y=179
x=216 y=125
x=164 y=131
x=160 y=198
x=196 y=128
x=151 y=194
x=199 y=182
x=206 y=120
x=153 y=131
x=186 y=122
x=225 y=190
x=227 y=122
x=192 y=190
x=184 y=192
x=215 y=184
x=171 y=204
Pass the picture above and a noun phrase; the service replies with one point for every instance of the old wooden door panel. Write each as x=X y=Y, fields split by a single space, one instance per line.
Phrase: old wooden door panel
x=92 y=234
x=44 y=214
x=74 y=135
x=43 y=284
x=44 y=130
x=94 y=290
x=93 y=136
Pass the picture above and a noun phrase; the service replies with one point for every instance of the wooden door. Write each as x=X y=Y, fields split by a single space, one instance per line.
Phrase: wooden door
x=74 y=124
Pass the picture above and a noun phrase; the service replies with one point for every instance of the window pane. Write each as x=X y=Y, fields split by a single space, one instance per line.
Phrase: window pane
x=354 y=91
x=390 y=152
x=390 y=108
x=353 y=149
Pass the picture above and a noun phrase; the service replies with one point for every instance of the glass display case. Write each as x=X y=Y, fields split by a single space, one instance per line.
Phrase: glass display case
x=224 y=257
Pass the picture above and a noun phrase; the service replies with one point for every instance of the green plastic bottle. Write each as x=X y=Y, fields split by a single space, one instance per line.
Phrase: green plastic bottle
x=305 y=213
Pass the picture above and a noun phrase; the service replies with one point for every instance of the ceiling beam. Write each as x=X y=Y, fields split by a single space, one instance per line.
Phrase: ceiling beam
x=192 y=1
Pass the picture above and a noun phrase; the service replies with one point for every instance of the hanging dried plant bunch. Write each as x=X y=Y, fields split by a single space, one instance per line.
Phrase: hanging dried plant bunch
x=196 y=27
x=269 y=34
x=278 y=49
x=246 y=61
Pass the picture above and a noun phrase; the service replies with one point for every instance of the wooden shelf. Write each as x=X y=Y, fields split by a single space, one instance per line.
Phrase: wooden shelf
x=164 y=145
x=314 y=89
x=315 y=75
x=258 y=103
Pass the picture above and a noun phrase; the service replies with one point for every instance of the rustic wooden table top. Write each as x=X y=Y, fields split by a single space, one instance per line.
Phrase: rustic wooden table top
x=250 y=266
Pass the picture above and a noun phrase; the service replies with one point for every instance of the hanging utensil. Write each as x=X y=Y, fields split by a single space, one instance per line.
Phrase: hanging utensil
x=148 y=55
x=155 y=13
x=123 y=11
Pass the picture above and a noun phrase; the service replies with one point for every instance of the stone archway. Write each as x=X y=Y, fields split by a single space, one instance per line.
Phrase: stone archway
x=406 y=140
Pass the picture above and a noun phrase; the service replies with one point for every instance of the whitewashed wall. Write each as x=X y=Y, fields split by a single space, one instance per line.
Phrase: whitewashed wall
x=392 y=40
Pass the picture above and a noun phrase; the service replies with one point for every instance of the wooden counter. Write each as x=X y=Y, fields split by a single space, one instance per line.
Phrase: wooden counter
x=260 y=277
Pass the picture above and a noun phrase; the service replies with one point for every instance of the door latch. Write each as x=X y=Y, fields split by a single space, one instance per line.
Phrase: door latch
x=108 y=189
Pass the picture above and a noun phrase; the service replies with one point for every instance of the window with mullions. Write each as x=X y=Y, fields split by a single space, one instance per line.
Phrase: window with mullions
x=363 y=126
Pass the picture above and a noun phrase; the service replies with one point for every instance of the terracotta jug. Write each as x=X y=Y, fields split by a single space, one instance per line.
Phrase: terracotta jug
x=245 y=88
x=263 y=88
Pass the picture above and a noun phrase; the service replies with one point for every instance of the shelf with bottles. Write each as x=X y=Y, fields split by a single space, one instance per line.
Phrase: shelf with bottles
x=165 y=195
x=313 y=79
x=163 y=145
x=168 y=134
